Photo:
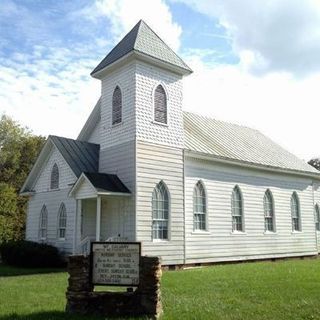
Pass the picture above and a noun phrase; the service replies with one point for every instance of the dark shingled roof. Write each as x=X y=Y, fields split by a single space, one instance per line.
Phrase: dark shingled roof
x=143 y=40
x=81 y=156
x=107 y=182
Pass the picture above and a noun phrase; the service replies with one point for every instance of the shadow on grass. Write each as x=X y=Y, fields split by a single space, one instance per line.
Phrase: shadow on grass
x=10 y=271
x=59 y=315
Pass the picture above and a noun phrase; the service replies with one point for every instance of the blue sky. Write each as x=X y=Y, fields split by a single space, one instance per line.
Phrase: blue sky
x=255 y=62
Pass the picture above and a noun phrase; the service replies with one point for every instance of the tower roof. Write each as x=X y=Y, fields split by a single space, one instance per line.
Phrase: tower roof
x=142 y=39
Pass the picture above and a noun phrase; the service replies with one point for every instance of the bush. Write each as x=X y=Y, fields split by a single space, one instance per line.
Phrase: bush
x=30 y=254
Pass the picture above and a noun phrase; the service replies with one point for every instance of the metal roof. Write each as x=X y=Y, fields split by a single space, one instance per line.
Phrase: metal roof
x=81 y=156
x=144 y=40
x=104 y=182
x=230 y=141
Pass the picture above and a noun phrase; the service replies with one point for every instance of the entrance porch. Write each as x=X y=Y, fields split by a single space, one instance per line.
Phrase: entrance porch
x=104 y=211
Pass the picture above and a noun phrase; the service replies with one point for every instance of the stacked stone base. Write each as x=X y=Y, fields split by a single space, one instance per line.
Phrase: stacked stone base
x=145 y=300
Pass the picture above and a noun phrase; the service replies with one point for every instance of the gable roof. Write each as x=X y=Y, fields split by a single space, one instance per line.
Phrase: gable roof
x=106 y=182
x=142 y=39
x=230 y=141
x=81 y=156
x=99 y=184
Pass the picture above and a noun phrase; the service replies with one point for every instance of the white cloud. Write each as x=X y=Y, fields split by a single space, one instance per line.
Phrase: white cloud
x=51 y=95
x=279 y=35
x=283 y=108
x=124 y=14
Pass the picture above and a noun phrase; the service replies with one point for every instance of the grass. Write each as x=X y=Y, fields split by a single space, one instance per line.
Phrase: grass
x=263 y=290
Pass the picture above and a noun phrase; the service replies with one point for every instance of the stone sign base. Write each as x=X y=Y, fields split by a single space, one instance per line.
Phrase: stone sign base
x=145 y=300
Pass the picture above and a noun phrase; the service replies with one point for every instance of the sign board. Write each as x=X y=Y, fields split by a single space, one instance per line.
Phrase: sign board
x=115 y=263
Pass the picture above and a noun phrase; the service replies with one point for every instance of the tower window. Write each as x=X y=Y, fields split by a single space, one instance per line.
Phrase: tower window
x=116 y=106
x=160 y=105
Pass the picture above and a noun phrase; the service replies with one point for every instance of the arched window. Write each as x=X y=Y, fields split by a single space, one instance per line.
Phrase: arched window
x=43 y=222
x=160 y=105
x=295 y=212
x=237 y=209
x=160 y=211
x=116 y=106
x=62 y=221
x=268 y=211
x=54 y=182
x=317 y=217
x=199 y=207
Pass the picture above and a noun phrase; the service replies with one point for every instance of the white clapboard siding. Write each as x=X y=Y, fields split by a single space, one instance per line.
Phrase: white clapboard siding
x=52 y=200
x=156 y=163
x=85 y=190
x=95 y=134
x=317 y=201
x=110 y=134
x=66 y=175
x=218 y=243
x=120 y=160
x=147 y=79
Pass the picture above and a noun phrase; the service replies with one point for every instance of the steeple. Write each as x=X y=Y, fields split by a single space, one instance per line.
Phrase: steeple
x=145 y=44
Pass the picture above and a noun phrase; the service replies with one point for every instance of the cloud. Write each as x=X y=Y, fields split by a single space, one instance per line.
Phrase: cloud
x=282 y=107
x=49 y=90
x=270 y=36
x=124 y=14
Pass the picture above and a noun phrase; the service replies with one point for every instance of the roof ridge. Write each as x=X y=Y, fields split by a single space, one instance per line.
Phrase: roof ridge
x=77 y=140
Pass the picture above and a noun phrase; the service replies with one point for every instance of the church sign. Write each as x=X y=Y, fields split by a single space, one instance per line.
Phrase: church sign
x=115 y=263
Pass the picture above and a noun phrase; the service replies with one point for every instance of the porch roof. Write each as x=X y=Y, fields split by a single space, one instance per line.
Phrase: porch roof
x=93 y=184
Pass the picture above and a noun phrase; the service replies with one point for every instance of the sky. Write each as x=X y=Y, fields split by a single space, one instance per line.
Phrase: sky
x=256 y=63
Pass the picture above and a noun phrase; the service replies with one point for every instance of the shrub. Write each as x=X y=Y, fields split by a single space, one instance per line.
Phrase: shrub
x=30 y=254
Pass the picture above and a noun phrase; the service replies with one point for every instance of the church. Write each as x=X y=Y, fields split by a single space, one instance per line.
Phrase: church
x=191 y=189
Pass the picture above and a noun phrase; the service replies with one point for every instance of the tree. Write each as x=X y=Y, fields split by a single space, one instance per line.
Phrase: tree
x=19 y=149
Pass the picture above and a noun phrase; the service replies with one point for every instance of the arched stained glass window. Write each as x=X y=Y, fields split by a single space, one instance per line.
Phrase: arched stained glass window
x=54 y=182
x=295 y=212
x=116 y=106
x=237 y=209
x=268 y=207
x=43 y=223
x=160 y=211
x=62 y=221
x=160 y=105
x=199 y=207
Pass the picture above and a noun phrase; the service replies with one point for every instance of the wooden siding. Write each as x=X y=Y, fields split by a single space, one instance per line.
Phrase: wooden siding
x=66 y=175
x=120 y=160
x=85 y=190
x=95 y=134
x=147 y=79
x=218 y=243
x=52 y=200
x=125 y=131
x=156 y=163
x=317 y=201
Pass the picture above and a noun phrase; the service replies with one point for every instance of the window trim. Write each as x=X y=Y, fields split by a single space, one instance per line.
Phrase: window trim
x=317 y=217
x=243 y=230
x=201 y=183
x=166 y=124
x=112 y=107
x=161 y=182
x=268 y=192
x=62 y=209
x=296 y=197
x=44 y=228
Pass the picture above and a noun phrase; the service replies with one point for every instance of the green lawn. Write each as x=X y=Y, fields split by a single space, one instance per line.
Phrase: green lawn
x=265 y=290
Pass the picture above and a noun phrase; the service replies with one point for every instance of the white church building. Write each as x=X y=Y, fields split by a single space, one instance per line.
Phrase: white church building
x=191 y=189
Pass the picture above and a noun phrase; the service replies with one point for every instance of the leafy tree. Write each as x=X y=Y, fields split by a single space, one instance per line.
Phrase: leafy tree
x=19 y=149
